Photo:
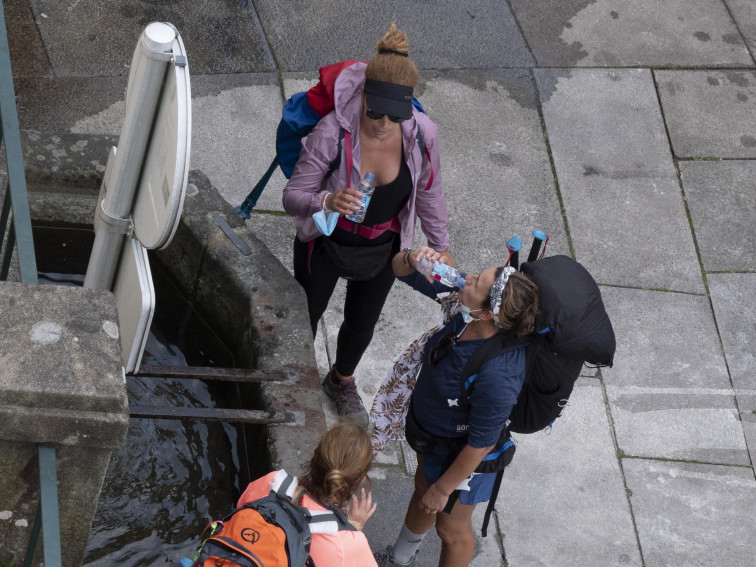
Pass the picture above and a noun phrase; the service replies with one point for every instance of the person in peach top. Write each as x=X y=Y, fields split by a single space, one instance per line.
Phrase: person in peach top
x=339 y=465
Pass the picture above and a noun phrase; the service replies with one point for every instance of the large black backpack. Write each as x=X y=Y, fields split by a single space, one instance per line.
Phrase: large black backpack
x=572 y=328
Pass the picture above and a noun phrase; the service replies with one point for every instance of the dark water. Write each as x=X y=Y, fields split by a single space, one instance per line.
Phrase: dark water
x=171 y=477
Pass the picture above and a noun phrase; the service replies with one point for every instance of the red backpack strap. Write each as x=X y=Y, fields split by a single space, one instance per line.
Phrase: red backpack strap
x=320 y=97
x=348 y=148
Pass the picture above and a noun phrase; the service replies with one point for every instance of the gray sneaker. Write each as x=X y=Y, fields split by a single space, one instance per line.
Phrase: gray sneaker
x=385 y=558
x=348 y=402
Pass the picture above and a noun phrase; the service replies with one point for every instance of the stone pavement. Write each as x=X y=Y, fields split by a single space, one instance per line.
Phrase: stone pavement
x=625 y=130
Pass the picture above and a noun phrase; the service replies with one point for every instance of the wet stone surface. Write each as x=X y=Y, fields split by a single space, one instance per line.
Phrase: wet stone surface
x=221 y=37
x=620 y=189
x=484 y=33
x=710 y=113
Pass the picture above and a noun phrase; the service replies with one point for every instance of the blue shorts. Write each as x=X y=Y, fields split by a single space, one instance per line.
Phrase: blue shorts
x=481 y=484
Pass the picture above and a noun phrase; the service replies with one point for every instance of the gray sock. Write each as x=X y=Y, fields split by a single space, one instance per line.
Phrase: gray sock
x=406 y=545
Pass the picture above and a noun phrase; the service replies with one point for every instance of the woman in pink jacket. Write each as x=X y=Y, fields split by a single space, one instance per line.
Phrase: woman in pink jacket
x=338 y=466
x=374 y=128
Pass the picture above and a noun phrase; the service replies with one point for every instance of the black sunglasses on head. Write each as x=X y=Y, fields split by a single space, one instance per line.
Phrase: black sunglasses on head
x=378 y=115
x=442 y=348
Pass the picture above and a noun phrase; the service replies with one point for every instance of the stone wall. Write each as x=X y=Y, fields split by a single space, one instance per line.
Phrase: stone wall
x=61 y=384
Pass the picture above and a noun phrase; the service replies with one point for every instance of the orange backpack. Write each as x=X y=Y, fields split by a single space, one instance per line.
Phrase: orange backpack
x=269 y=532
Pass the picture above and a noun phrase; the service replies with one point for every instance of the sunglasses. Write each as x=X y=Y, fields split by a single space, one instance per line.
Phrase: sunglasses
x=373 y=115
x=442 y=348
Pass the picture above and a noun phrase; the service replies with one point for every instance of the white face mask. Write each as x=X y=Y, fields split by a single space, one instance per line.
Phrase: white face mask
x=467 y=313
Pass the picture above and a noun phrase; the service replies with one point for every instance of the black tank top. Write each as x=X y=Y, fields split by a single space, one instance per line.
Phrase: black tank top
x=387 y=201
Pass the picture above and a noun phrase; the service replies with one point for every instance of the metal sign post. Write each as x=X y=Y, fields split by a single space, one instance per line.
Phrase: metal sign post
x=160 y=197
x=148 y=68
x=145 y=182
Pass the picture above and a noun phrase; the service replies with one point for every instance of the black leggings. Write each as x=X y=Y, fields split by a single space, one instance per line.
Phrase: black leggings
x=362 y=307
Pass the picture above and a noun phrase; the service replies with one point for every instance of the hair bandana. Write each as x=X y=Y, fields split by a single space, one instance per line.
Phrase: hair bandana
x=496 y=290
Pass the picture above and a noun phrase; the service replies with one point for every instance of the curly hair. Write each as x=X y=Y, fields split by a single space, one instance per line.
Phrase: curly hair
x=390 y=67
x=338 y=465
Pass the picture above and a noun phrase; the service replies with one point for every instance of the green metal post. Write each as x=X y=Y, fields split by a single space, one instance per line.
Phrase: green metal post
x=16 y=179
x=48 y=496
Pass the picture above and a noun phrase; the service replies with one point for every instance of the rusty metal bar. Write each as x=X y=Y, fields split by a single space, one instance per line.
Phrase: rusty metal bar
x=212 y=373
x=212 y=414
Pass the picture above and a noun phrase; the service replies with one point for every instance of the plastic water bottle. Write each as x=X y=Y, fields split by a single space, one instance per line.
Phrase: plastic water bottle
x=442 y=273
x=367 y=186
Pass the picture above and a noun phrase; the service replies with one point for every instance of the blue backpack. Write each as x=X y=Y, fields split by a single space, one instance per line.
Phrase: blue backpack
x=299 y=116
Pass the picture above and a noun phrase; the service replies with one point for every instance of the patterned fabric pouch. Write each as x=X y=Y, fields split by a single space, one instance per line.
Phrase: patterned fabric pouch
x=389 y=410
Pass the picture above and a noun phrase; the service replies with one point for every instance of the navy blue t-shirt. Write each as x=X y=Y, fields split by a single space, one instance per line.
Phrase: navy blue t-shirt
x=436 y=396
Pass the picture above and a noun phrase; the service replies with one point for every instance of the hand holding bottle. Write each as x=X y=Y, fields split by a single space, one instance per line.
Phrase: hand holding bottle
x=427 y=262
x=365 y=190
x=344 y=201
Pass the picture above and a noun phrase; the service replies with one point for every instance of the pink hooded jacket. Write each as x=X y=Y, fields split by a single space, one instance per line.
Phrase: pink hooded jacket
x=303 y=193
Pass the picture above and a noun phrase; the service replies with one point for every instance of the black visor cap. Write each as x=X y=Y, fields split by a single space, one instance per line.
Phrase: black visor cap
x=389 y=98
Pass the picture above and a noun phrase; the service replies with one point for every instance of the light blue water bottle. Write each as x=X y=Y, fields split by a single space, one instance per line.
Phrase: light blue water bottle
x=442 y=273
x=367 y=186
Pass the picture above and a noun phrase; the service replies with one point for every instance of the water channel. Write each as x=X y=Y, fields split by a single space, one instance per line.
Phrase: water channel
x=171 y=476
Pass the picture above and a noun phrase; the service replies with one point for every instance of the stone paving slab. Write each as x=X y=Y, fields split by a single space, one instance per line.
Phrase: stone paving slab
x=749 y=427
x=234 y=120
x=88 y=105
x=654 y=347
x=619 y=185
x=28 y=57
x=650 y=33
x=744 y=14
x=733 y=297
x=94 y=38
x=562 y=501
x=277 y=232
x=669 y=390
x=678 y=423
x=484 y=33
x=710 y=113
x=721 y=198
x=692 y=514
x=496 y=173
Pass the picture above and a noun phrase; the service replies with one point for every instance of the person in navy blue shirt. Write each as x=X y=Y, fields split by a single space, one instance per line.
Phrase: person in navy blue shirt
x=495 y=300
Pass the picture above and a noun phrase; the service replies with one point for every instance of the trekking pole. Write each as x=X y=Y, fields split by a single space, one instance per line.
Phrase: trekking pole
x=513 y=245
x=249 y=203
x=539 y=238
